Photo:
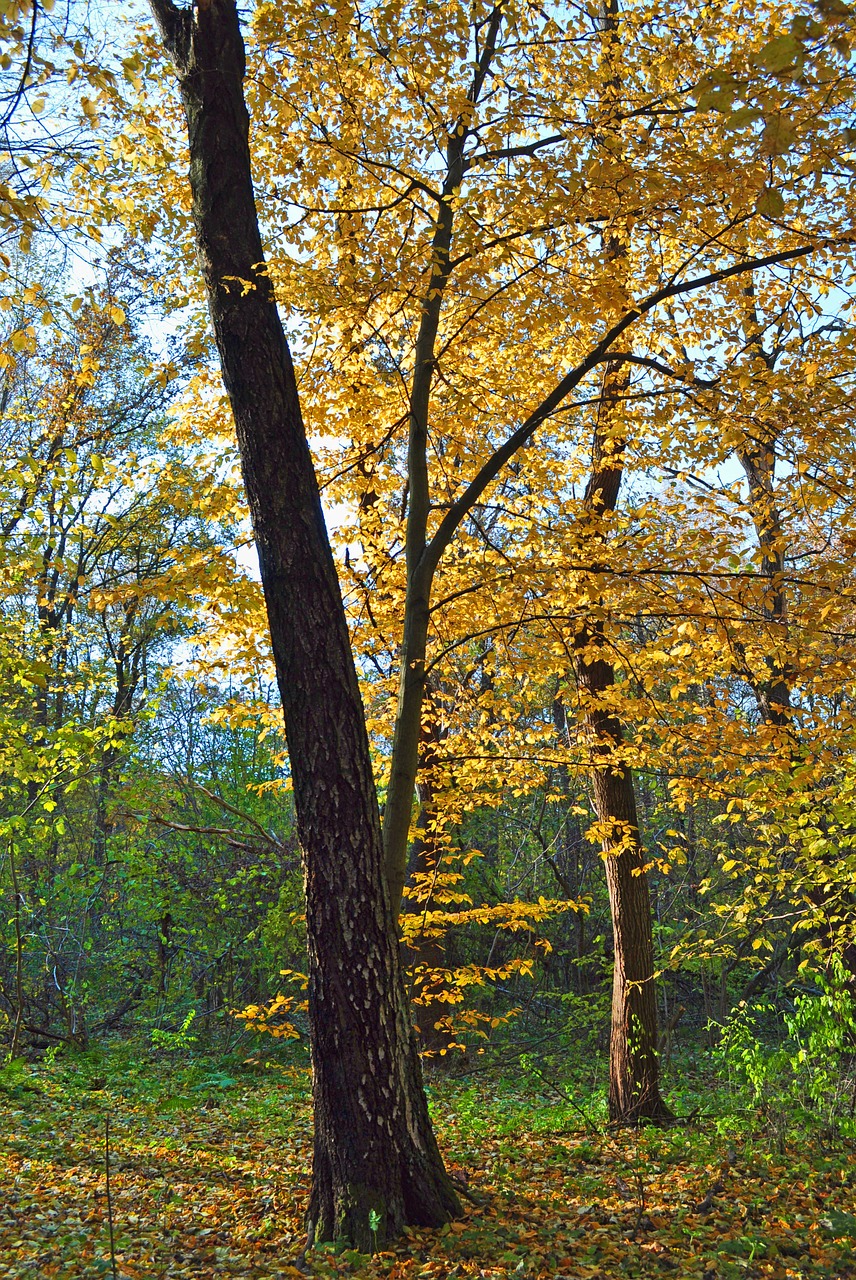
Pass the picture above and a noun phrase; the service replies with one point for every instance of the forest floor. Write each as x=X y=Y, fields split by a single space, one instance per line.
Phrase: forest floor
x=210 y=1166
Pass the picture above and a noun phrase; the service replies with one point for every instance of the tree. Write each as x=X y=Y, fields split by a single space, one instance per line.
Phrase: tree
x=634 y=1091
x=376 y=1162
x=439 y=268
x=432 y=268
x=112 y=535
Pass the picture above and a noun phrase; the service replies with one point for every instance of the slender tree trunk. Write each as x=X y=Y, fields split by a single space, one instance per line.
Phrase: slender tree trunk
x=398 y=811
x=420 y=565
x=773 y=692
x=376 y=1162
x=634 y=1091
x=757 y=456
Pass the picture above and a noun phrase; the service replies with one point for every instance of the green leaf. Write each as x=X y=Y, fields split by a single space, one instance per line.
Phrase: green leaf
x=770 y=203
x=806 y=28
x=778 y=137
x=743 y=116
x=780 y=54
x=719 y=98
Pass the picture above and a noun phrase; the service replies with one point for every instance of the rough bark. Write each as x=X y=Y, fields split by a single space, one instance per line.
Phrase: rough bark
x=375 y=1152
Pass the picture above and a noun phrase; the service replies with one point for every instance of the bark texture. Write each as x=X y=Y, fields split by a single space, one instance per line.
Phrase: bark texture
x=376 y=1161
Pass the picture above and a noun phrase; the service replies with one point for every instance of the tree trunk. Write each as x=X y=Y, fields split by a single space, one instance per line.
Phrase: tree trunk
x=758 y=456
x=634 y=1090
x=425 y=954
x=376 y=1162
x=421 y=566
x=773 y=692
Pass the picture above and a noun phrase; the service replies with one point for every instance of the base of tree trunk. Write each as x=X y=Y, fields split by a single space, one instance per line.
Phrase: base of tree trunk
x=653 y=1111
x=366 y=1216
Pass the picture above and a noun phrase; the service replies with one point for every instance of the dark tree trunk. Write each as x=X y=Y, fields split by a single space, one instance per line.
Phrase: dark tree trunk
x=375 y=1151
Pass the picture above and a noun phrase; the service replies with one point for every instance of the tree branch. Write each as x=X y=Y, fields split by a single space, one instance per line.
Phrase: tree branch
x=601 y=352
x=175 y=26
x=508 y=153
x=647 y=362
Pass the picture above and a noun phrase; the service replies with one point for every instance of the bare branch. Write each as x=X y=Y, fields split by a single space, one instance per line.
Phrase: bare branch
x=508 y=153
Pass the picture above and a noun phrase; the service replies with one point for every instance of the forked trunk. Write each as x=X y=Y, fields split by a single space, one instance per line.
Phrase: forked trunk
x=376 y=1162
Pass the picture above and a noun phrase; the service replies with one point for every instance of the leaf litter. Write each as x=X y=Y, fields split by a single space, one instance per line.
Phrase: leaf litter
x=211 y=1179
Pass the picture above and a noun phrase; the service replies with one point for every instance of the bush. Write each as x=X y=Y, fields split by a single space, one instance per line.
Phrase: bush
x=797 y=1064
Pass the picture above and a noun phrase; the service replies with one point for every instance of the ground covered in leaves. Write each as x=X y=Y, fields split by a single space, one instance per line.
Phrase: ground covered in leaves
x=210 y=1174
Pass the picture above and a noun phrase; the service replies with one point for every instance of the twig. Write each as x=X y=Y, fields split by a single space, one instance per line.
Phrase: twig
x=109 y=1197
x=480 y=1201
x=590 y=1124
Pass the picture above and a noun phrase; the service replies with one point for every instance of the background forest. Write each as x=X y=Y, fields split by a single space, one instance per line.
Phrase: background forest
x=650 y=594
